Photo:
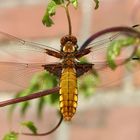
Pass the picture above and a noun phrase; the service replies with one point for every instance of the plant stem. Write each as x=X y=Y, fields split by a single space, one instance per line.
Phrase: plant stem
x=29 y=97
x=124 y=30
x=68 y=17
x=45 y=133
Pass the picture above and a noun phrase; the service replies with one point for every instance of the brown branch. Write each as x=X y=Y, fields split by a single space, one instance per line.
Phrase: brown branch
x=126 y=30
x=68 y=17
x=45 y=133
x=29 y=97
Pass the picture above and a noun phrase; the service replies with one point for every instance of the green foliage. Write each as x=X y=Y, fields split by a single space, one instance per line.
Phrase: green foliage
x=87 y=84
x=137 y=54
x=75 y=3
x=30 y=125
x=59 y=1
x=114 y=50
x=97 y=4
x=40 y=81
x=45 y=80
x=14 y=135
x=52 y=6
x=11 y=136
x=51 y=10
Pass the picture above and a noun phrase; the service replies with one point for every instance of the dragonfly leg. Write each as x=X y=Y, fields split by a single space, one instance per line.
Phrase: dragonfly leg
x=29 y=97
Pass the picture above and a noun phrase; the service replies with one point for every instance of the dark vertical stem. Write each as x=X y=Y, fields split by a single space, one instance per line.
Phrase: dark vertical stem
x=68 y=17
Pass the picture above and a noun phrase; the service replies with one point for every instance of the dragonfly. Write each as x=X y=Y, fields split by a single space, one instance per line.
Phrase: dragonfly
x=20 y=59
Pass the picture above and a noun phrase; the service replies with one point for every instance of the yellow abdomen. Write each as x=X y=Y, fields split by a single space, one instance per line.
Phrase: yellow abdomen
x=68 y=93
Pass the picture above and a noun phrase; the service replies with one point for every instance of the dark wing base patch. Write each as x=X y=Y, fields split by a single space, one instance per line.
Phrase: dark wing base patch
x=54 y=68
x=82 y=68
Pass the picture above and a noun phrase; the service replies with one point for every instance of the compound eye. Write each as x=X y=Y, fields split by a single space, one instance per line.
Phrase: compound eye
x=67 y=38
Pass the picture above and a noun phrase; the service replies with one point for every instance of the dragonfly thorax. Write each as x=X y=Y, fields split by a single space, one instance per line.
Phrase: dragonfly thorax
x=68 y=59
x=69 y=47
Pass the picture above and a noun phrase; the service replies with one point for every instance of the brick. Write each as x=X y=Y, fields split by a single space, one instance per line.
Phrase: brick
x=26 y=22
x=112 y=13
x=118 y=123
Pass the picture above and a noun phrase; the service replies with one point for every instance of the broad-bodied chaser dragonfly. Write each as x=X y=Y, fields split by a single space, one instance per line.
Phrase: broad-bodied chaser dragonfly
x=33 y=57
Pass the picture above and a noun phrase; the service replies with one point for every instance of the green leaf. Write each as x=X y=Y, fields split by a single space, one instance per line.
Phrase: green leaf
x=51 y=9
x=115 y=48
x=13 y=107
x=40 y=107
x=40 y=81
x=54 y=98
x=97 y=4
x=47 y=21
x=137 y=54
x=24 y=107
x=58 y=2
x=30 y=125
x=11 y=136
x=88 y=84
x=75 y=3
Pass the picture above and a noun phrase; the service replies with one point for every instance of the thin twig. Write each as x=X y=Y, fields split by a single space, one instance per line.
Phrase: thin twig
x=45 y=133
x=127 y=30
x=29 y=97
x=68 y=17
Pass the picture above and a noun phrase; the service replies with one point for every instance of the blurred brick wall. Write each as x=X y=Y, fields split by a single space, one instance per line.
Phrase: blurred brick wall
x=25 y=22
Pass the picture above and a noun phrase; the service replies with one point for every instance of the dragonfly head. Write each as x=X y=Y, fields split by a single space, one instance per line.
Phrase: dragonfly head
x=69 y=43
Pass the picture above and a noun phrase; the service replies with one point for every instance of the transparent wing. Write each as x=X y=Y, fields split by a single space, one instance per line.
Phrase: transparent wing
x=20 y=60
x=98 y=57
x=117 y=78
x=111 y=78
x=99 y=47
x=18 y=74
x=16 y=49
